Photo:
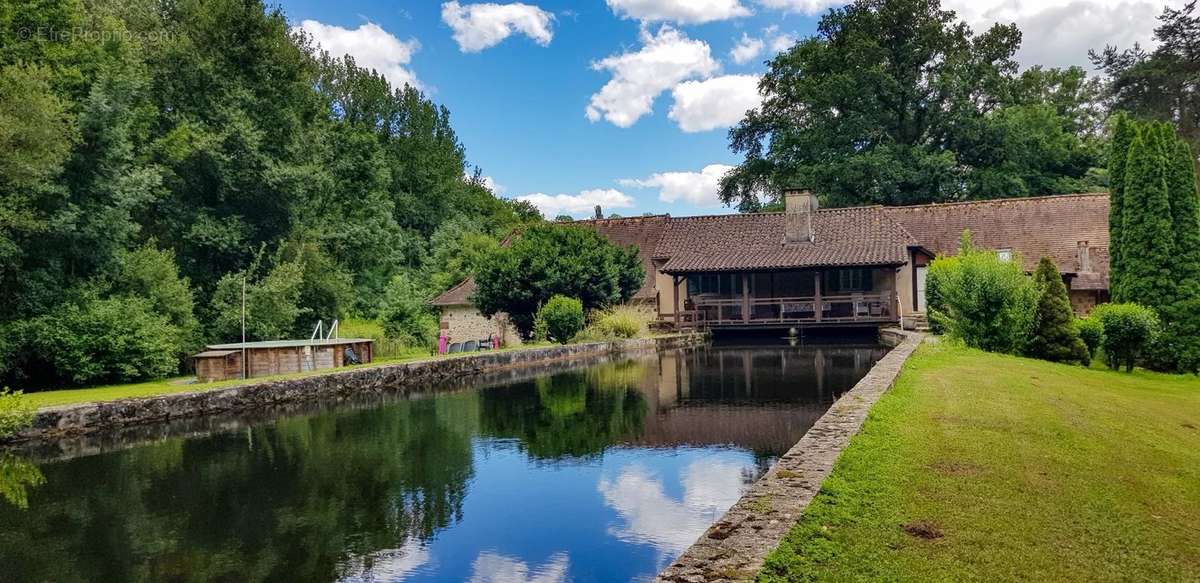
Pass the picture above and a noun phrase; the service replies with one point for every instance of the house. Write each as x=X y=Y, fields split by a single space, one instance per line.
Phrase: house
x=860 y=266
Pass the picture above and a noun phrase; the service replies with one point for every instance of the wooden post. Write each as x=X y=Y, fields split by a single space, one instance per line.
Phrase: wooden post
x=745 y=298
x=675 y=296
x=818 y=309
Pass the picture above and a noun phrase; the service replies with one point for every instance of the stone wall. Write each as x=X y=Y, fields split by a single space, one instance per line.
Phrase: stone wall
x=466 y=323
x=735 y=547
x=414 y=377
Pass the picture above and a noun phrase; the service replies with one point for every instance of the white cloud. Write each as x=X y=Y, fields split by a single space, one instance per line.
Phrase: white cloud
x=651 y=517
x=1055 y=32
x=780 y=41
x=665 y=59
x=698 y=188
x=385 y=565
x=578 y=205
x=679 y=11
x=371 y=46
x=747 y=49
x=491 y=567
x=491 y=184
x=715 y=103
x=481 y=26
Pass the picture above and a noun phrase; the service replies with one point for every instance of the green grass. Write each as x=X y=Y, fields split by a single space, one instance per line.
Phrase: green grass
x=99 y=394
x=986 y=467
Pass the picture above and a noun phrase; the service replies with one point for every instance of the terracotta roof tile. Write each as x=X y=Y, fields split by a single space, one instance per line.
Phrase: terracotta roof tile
x=459 y=295
x=843 y=237
x=1036 y=227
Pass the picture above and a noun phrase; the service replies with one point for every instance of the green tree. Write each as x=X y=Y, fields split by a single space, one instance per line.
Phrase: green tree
x=563 y=318
x=985 y=302
x=1129 y=331
x=1123 y=132
x=1055 y=336
x=1146 y=240
x=556 y=259
x=899 y=102
x=406 y=313
x=272 y=300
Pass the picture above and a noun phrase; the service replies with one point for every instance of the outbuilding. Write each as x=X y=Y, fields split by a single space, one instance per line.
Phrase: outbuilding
x=274 y=357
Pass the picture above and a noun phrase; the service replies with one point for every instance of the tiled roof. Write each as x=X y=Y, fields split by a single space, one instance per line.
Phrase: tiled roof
x=641 y=232
x=843 y=237
x=1036 y=227
x=459 y=295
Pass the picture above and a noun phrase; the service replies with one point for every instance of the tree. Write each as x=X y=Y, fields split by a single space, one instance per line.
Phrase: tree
x=985 y=302
x=899 y=102
x=1147 y=245
x=556 y=259
x=1123 y=132
x=1163 y=84
x=406 y=315
x=562 y=317
x=272 y=303
x=1055 y=336
x=1129 y=330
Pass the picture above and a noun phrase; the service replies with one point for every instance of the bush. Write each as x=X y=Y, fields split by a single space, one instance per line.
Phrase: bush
x=935 y=301
x=406 y=315
x=617 y=322
x=985 y=302
x=117 y=339
x=1091 y=331
x=272 y=304
x=1128 y=330
x=1054 y=336
x=15 y=413
x=563 y=318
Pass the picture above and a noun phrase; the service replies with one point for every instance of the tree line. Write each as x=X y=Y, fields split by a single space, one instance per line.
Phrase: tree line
x=150 y=167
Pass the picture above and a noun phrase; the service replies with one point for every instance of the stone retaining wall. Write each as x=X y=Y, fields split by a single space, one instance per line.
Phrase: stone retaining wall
x=72 y=421
x=735 y=547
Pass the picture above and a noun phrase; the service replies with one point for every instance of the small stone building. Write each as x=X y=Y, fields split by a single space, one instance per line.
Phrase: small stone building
x=462 y=322
x=220 y=362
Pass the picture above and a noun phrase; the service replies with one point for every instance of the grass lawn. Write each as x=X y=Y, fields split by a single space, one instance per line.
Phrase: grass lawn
x=979 y=466
x=55 y=398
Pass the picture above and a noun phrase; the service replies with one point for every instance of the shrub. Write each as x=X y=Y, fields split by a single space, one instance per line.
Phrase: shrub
x=1128 y=330
x=1091 y=331
x=935 y=301
x=117 y=339
x=406 y=315
x=15 y=413
x=616 y=322
x=563 y=318
x=985 y=302
x=1054 y=336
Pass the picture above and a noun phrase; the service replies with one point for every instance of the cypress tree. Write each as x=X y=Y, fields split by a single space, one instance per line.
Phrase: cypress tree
x=1185 y=213
x=1146 y=231
x=1123 y=133
x=1055 y=335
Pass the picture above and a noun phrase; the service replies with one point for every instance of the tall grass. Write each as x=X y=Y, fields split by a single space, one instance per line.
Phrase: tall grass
x=617 y=322
x=385 y=348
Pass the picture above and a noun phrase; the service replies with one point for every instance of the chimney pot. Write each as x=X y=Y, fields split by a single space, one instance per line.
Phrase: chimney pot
x=599 y=212
x=799 y=205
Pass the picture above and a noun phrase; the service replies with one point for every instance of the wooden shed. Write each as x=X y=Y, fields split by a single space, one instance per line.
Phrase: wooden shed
x=224 y=361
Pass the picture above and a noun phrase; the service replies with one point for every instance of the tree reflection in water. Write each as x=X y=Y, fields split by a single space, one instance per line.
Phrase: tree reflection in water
x=364 y=493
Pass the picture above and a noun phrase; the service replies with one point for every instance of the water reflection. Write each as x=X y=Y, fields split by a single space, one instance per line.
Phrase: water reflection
x=604 y=473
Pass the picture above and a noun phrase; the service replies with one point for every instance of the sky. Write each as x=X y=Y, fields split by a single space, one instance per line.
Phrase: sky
x=627 y=103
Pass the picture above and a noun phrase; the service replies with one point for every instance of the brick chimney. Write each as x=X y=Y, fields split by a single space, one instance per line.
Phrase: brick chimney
x=1084 y=257
x=599 y=213
x=799 y=204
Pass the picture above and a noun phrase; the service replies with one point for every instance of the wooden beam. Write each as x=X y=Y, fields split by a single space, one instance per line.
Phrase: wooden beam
x=675 y=296
x=745 y=298
x=817 y=308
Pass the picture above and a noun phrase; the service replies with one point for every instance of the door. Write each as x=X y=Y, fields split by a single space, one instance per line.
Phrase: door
x=921 y=271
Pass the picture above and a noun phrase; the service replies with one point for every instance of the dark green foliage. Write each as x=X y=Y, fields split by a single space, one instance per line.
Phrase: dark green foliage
x=899 y=102
x=1185 y=214
x=176 y=146
x=406 y=314
x=1147 y=244
x=936 y=280
x=556 y=259
x=1055 y=336
x=1129 y=330
x=1091 y=331
x=1123 y=132
x=116 y=339
x=563 y=318
x=985 y=302
x=1160 y=84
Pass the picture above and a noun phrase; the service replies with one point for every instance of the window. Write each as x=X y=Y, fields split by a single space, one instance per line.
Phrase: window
x=849 y=280
x=1004 y=254
x=725 y=284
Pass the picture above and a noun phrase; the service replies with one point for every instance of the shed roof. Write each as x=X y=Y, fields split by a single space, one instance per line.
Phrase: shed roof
x=858 y=236
x=287 y=343
x=459 y=295
x=215 y=353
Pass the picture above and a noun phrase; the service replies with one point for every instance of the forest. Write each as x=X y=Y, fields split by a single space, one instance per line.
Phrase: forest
x=157 y=156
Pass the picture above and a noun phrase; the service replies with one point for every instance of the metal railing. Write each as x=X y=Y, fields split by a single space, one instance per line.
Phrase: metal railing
x=866 y=307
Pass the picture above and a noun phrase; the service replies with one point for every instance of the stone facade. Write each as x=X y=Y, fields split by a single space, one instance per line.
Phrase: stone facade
x=735 y=547
x=465 y=323
x=409 y=378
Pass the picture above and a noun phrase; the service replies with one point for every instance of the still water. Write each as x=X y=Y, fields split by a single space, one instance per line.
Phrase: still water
x=603 y=472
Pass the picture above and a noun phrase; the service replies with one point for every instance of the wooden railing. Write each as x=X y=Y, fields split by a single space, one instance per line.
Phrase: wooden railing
x=869 y=307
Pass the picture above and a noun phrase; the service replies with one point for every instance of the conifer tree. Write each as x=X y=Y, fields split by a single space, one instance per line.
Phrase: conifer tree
x=1055 y=336
x=1185 y=214
x=1123 y=132
x=1146 y=241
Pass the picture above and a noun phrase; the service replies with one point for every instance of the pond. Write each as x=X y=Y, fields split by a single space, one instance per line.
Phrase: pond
x=602 y=472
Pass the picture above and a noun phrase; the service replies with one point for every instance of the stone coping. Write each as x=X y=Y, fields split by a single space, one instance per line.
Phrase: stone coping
x=112 y=417
x=736 y=546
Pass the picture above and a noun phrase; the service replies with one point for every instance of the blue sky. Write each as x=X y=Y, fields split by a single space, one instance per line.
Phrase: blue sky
x=549 y=96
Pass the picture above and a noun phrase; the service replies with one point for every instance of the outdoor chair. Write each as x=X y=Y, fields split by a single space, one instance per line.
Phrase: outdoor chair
x=470 y=346
x=456 y=347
